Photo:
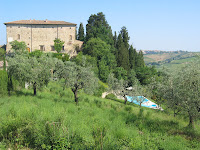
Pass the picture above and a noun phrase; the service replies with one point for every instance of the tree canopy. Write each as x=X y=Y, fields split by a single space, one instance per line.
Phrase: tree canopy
x=98 y=27
x=77 y=77
x=33 y=70
x=18 y=47
x=58 y=44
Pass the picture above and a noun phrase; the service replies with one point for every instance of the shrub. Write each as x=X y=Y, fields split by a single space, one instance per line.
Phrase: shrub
x=101 y=88
x=63 y=57
x=3 y=82
x=36 y=53
x=111 y=96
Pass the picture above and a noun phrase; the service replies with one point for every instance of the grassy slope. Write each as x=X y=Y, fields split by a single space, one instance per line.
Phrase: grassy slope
x=159 y=57
x=176 y=65
x=52 y=120
x=149 y=58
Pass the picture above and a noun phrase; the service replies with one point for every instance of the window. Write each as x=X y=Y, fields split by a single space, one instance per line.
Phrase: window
x=42 y=48
x=63 y=48
x=52 y=48
x=18 y=36
x=70 y=37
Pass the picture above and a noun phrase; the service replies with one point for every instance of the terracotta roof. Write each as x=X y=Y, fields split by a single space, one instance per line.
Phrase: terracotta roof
x=40 y=22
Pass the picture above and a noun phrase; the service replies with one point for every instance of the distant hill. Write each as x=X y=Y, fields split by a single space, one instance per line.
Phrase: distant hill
x=169 y=59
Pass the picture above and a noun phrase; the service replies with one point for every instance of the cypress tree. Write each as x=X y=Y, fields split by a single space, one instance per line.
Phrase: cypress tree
x=124 y=33
x=122 y=54
x=132 y=57
x=115 y=39
x=4 y=62
x=81 y=35
x=140 y=60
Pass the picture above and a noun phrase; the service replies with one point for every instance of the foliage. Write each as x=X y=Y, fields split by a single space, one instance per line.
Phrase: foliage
x=188 y=93
x=115 y=39
x=125 y=36
x=61 y=56
x=95 y=47
x=97 y=27
x=120 y=73
x=18 y=47
x=132 y=78
x=103 y=70
x=3 y=83
x=33 y=70
x=102 y=87
x=36 y=53
x=140 y=60
x=118 y=87
x=81 y=34
x=2 y=54
x=58 y=44
x=111 y=96
x=182 y=92
x=122 y=55
x=144 y=74
x=77 y=77
x=132 y=57
x=86 y=61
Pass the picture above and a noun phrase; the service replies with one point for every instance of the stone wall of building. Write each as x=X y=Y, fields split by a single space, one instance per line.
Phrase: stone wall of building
x=41 y=37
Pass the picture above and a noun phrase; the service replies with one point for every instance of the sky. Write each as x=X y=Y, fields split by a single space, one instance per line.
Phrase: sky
x=152 y=24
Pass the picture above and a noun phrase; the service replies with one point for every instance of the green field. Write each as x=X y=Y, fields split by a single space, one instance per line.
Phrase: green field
x=176 y=65
x=52 y=120
x=171 y=61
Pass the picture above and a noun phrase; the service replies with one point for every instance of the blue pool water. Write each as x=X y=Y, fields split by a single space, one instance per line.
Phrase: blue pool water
x=134 y=100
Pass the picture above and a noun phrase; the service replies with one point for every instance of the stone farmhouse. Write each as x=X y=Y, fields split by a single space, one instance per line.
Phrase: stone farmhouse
x=40 y=35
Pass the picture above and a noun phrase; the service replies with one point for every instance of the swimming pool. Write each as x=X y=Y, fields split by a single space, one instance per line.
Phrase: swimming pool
x=145 y=103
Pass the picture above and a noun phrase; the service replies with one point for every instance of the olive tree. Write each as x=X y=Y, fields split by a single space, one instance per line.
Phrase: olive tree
x=18 y=47
x=77 y=77
x=188 y=91
x=118 y=87
x=33 y=70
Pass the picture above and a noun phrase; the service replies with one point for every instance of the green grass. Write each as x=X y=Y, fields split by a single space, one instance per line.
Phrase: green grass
x=52 y=120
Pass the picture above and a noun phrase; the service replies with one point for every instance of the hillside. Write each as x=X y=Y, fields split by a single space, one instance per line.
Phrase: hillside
x=52 y=120
x=170 y=60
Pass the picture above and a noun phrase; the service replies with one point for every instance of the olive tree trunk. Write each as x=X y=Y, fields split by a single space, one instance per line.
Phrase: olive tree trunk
x=34 y=89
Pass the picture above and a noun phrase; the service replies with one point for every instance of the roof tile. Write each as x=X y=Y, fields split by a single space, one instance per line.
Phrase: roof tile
x=43 y=22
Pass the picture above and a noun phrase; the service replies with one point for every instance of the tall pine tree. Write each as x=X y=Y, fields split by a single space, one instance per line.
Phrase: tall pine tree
x=115 y=39
x=122 y=54
x=132 y=57
x=140 y=60
x=98 y=27
x=81 y=35
x=124 y=33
